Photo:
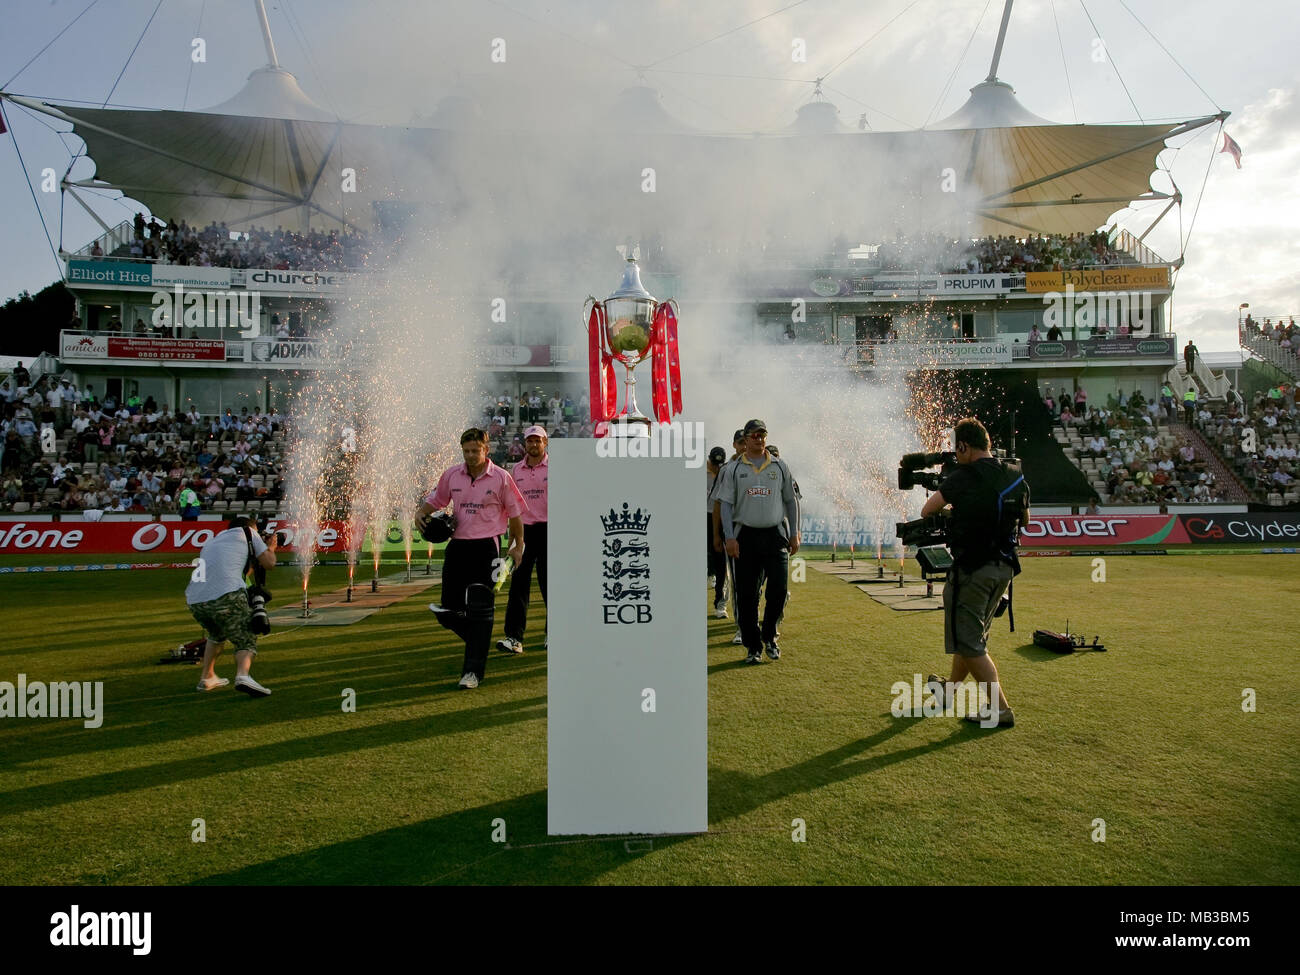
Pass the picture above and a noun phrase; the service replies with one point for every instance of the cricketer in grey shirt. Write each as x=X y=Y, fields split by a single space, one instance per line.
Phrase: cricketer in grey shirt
x=757 y=496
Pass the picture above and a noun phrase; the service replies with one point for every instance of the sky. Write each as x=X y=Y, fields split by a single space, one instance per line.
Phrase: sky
x=722 y=67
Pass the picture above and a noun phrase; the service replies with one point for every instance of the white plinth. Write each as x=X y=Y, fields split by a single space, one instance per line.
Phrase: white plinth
x=626 y=617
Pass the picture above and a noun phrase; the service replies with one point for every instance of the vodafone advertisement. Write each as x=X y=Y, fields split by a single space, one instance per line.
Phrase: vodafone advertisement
x=162 y=537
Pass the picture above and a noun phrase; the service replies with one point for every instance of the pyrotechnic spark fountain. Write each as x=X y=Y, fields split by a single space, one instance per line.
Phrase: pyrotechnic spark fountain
x=307 y=491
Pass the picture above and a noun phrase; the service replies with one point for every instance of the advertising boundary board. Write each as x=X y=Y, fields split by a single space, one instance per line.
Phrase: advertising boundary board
x=1241 y=530
x=1246 y=528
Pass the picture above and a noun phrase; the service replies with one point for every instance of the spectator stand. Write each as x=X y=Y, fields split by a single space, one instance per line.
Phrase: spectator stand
x=1273 y=341
x=1271 y=472
x=1142 y=457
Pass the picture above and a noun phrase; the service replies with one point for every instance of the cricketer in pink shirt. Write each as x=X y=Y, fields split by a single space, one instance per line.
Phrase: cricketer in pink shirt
x=531 y=482
x=482 y=505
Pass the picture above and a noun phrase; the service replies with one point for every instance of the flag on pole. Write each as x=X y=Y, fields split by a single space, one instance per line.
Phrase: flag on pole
x=1230 y=145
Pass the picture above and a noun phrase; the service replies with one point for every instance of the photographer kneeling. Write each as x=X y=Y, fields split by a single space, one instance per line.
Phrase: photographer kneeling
x=218 y=600
x=990 y=503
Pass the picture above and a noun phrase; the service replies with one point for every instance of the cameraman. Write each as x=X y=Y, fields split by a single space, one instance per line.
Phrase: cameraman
x=990 y=503
x=218 y=600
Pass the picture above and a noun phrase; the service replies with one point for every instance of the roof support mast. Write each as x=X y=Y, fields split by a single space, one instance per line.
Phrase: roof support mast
x=273 y=62
x=271 y=59
x=997 y=49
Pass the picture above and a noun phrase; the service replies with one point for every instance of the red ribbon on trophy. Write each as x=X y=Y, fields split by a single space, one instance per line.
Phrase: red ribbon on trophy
x=604 y=390
x=665 y=364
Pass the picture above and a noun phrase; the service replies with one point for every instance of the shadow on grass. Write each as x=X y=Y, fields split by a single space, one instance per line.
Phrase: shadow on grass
x=733 y=794
x=243 y=758
x=148 y=704
x=1036 y=654
x=737 y=664
x=454 y=849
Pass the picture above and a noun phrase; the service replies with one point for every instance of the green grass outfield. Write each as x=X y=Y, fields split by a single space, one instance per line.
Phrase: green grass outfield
x=1150 y=737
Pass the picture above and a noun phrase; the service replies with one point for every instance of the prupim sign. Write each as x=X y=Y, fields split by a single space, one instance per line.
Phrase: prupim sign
x=1093 y=531
x=1257 y=528
x=163 y=537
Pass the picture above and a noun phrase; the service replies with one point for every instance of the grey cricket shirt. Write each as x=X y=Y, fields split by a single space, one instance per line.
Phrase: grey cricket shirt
x=755 y=495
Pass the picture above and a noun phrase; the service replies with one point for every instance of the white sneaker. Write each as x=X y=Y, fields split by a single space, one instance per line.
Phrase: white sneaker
x=738 y=638
x=251 y=687
x=720 y=609
x=212 y=685
x=469 y=681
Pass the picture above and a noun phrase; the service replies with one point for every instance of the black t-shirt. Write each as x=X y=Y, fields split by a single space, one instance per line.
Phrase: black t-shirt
x=977 y=532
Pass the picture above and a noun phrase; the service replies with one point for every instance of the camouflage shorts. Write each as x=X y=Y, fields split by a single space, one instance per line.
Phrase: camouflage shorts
x=227 y=618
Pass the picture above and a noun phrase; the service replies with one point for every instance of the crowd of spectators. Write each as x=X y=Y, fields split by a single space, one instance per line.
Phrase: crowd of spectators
x=505 y=419
x=134 y=456
x=1138 y=462
x=217 y=246
x=936 y=253
x=1271 y=424
x=1283 y=334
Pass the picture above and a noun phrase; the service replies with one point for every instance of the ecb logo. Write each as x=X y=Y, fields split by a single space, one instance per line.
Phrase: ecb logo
x=625 y=593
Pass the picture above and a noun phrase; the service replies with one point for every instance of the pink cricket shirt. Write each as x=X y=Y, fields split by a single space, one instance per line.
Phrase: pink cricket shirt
x=532 y=482
x=482 y=505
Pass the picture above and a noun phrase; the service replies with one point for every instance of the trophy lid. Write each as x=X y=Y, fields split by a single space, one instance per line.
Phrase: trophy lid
x=631 y=286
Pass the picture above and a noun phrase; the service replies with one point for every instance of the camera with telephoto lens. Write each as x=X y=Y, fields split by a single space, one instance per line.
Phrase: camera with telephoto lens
x=258 y=597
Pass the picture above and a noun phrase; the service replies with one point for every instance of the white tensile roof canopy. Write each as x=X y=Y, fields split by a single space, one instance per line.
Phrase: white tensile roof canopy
x=271 y=156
